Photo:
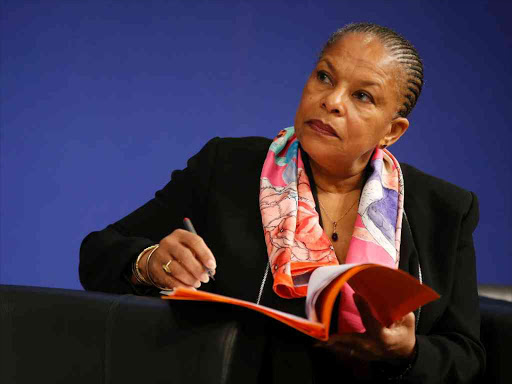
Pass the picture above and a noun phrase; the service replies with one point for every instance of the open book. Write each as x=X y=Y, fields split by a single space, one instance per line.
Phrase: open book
x=391 y=293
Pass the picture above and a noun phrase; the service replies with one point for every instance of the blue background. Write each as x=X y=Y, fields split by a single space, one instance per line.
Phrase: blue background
x=101 y=100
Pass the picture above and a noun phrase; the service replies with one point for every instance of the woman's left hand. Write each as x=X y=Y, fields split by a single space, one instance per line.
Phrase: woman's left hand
x=378 y=343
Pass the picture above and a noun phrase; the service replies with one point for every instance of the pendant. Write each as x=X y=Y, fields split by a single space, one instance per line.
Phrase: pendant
x=334 y=235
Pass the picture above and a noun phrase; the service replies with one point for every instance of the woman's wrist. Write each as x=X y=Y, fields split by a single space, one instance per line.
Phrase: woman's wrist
x=398 y=369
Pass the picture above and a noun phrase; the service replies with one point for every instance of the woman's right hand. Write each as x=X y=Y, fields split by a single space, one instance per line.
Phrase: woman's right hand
x=185 y=254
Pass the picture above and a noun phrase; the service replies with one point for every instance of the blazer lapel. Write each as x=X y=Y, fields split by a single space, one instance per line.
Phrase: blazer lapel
x=409 y=260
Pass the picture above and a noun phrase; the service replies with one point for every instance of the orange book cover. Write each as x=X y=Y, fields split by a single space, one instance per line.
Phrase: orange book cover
x=391 y=293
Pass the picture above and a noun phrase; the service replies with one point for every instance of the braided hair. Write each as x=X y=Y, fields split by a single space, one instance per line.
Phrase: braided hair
x=399 y=48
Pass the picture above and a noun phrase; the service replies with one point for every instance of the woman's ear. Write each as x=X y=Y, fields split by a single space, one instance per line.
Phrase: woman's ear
x=398 y=127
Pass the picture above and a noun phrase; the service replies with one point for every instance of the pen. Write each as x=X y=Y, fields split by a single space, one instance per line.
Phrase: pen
x=189 y=227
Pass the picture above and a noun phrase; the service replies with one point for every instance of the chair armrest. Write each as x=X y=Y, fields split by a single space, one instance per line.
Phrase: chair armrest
x=58 y=336
x=496 y=335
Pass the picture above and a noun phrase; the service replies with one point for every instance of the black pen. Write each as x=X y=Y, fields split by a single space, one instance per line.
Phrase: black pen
x=189 y=227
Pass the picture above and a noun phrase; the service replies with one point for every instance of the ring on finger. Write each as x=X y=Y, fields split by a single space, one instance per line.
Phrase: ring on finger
x=166 y=267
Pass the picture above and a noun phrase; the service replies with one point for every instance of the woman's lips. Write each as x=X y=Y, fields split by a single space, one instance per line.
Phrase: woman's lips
x=322 y=128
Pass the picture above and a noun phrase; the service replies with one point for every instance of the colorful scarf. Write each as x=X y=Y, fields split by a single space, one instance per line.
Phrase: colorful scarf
x=297 y=244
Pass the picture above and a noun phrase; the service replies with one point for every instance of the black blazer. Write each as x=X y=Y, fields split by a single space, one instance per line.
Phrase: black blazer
x=219 y=191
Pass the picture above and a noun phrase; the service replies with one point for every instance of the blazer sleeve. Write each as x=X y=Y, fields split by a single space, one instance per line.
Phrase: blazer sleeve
x=106 y=256
x=452 y=351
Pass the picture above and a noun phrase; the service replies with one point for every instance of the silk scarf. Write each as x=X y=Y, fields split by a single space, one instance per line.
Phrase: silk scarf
x=296 y=242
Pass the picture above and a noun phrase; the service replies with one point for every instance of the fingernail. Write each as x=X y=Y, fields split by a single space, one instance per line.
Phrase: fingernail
x=211 y=264
x=204 y=278
x=197 y=284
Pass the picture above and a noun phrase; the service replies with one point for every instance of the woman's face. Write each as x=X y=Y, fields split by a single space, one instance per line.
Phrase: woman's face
x=348 y=105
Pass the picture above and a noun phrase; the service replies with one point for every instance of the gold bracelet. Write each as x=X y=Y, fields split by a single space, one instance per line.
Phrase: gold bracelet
x=137 y=275
x=147 y=269
x=136 y=270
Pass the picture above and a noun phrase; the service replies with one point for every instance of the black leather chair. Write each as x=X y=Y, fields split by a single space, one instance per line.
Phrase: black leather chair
x=496 y=331
x=63 y=336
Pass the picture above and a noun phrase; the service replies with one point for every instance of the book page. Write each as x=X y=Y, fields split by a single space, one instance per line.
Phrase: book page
x=321 y=278
x=391 y=293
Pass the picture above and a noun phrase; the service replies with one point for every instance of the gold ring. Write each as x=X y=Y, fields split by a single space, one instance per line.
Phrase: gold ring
x=166 y=267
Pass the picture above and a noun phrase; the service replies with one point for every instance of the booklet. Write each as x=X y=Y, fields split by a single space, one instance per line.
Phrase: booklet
x=391 y=294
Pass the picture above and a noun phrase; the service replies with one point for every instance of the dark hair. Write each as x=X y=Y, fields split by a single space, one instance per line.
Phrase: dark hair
x=399 y=48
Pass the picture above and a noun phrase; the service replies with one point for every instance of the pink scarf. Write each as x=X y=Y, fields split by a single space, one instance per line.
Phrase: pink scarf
x=297 y=244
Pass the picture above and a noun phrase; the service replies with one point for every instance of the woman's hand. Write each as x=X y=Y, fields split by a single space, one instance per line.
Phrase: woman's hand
x=388 y=344
x=184 y=255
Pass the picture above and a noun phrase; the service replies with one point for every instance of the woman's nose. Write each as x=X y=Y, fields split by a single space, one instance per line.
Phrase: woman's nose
x=334 y=102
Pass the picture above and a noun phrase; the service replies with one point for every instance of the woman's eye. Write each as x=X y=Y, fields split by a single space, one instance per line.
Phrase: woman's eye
x=323 y=77
x=363 y=96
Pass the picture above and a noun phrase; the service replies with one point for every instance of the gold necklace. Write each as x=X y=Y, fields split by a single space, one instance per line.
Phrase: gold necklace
x=334 y=235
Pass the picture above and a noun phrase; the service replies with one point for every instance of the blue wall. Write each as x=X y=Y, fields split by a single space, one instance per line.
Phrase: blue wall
x=101 y=100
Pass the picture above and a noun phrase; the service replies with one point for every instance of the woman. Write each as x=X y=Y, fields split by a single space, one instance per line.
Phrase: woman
x=327 y=192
